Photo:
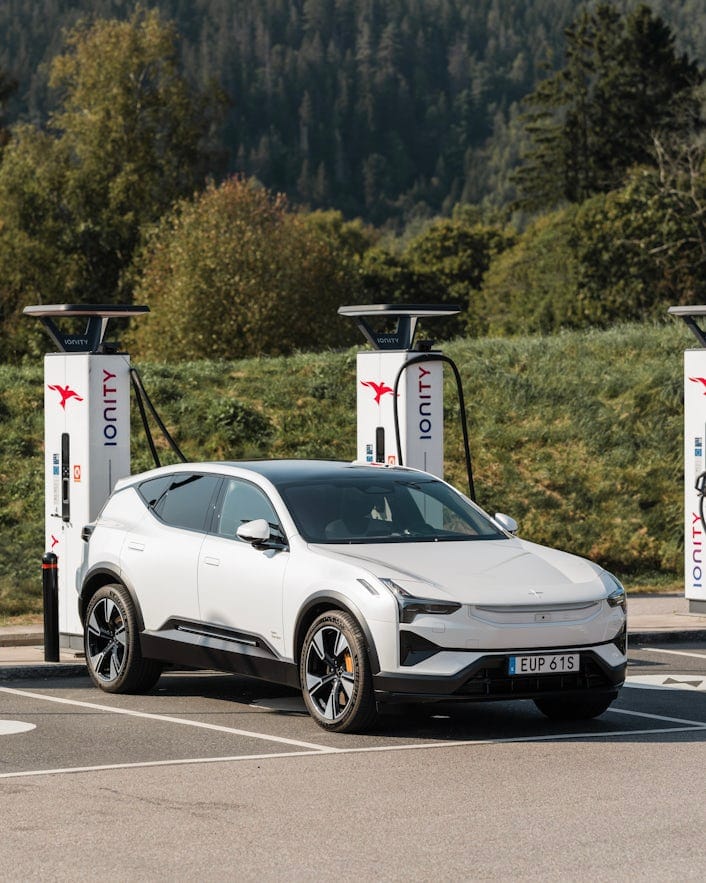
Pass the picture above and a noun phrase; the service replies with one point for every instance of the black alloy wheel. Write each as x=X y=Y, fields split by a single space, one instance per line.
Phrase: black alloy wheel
x=112 y=645
x=335 y=674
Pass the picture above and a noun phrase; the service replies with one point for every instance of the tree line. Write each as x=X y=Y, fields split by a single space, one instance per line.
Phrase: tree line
x=385 y=110
x=113 y=197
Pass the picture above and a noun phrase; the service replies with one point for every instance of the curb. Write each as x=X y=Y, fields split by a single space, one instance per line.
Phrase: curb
x=24 y=639
x=43 y=671
x=675 y=636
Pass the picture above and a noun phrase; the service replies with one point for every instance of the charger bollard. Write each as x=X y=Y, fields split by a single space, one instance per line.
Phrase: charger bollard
x=401 y=411
x=416 y=436
x=86 y=435
x=694 y=456
x=50 y=591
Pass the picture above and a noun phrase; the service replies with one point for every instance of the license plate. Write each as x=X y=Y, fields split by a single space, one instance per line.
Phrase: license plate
x=556 y=663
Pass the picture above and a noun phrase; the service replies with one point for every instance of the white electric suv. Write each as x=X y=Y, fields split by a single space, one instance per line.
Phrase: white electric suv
x=361 y=585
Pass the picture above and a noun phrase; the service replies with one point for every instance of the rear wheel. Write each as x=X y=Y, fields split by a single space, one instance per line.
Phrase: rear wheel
x=335 y=674
x=573 y=708
x=112 y=644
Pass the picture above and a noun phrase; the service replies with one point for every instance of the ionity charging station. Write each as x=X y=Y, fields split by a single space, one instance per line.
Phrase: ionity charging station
x=694 y=459
x=400 y=394
x=87 y=418
x=86 y=438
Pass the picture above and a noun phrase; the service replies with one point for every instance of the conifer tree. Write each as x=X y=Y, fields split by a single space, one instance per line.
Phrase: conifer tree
x=622 y=84
x=8 y=85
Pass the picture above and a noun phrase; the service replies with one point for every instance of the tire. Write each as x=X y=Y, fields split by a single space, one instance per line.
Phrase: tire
x=112 y=644
x=334 y=672
x=574 y=708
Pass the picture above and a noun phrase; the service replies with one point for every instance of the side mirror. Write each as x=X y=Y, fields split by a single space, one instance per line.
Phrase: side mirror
x=254 y=532
x=87 y=530
x=509 y=524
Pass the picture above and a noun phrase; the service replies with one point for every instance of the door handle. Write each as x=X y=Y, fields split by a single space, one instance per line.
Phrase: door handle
x=214 y=562
x=137 y=547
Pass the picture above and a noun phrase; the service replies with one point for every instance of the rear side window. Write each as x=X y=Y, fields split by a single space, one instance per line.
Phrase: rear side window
x=152 y=489
x=187 y=500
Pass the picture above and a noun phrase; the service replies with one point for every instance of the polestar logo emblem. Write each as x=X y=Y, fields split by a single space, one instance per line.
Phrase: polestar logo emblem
x=66 y=393
x=535 y=593
x=378 y=388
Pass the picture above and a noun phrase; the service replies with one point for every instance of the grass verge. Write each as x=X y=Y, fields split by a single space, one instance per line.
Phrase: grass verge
x=578 y=436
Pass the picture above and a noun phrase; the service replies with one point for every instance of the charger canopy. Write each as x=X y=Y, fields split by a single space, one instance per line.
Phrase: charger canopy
x=690 y=315
x=92 y=340
x=393 y=326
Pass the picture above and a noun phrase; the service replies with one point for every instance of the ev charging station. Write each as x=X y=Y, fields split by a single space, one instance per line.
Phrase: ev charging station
x=400 y=394
x=86 y=438
x=694 y=459
x=400 y=417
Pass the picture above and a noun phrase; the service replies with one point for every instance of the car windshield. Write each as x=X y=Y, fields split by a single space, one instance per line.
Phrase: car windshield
x=391 y=509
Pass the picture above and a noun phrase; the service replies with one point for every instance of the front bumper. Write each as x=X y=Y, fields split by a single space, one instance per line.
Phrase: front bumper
x=486 y=678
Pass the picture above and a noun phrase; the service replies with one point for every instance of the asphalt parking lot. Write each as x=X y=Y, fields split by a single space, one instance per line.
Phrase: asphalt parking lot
x=215 y=774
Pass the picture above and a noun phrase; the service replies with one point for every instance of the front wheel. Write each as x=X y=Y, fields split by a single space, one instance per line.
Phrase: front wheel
x=573 y=708
x=335 y=674
x=112 y=644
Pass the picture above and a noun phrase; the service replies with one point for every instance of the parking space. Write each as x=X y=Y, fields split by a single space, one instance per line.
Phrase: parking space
x=210 y=773
x=200 y=717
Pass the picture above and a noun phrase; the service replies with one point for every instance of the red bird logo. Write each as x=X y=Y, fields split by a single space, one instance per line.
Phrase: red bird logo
x=699 y=380
x=66 y=393
x=379 y=388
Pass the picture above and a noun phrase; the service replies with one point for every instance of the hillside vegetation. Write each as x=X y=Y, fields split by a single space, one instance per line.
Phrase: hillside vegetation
x=116 y=197
x=578 y=436
x=381 y=109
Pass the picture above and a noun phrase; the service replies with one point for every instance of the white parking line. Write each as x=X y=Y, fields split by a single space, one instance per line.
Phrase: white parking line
x=690 y=683
x=340 y=751
x=189 y=761
x=12 y=728
x=660 y=717
x=692 y=726
x=675 y=652
x=166 y=719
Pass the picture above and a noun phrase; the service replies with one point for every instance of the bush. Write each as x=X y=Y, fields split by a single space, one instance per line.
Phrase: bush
x=233 y=273
x=532 y=286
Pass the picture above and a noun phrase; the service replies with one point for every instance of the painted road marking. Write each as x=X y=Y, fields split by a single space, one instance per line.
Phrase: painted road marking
x=11 y=728
x=667 y=682
x=167 y=719
x=282 y=704
x=675 y=652
x=698 y=725
x=692 y=726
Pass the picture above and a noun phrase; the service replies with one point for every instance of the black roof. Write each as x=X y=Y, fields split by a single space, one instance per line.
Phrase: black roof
x=284 y=471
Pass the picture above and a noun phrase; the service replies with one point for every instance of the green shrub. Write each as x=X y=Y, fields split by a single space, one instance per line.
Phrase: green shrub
x=233 y=273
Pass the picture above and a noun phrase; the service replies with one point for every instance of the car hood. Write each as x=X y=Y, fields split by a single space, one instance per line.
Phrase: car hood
x=507 y=571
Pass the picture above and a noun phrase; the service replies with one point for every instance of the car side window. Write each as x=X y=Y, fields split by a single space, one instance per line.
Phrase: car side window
x=186 y=501
x=241 y=502
x=152 y=490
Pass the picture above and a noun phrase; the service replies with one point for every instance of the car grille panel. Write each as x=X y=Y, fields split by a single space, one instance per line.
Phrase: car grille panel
x=534 y=613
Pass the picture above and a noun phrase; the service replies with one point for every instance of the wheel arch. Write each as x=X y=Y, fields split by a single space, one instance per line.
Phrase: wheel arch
x=319 y=603
x=95 y=579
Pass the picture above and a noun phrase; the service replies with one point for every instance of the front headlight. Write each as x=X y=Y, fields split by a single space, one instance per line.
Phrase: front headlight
x=411 y=606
